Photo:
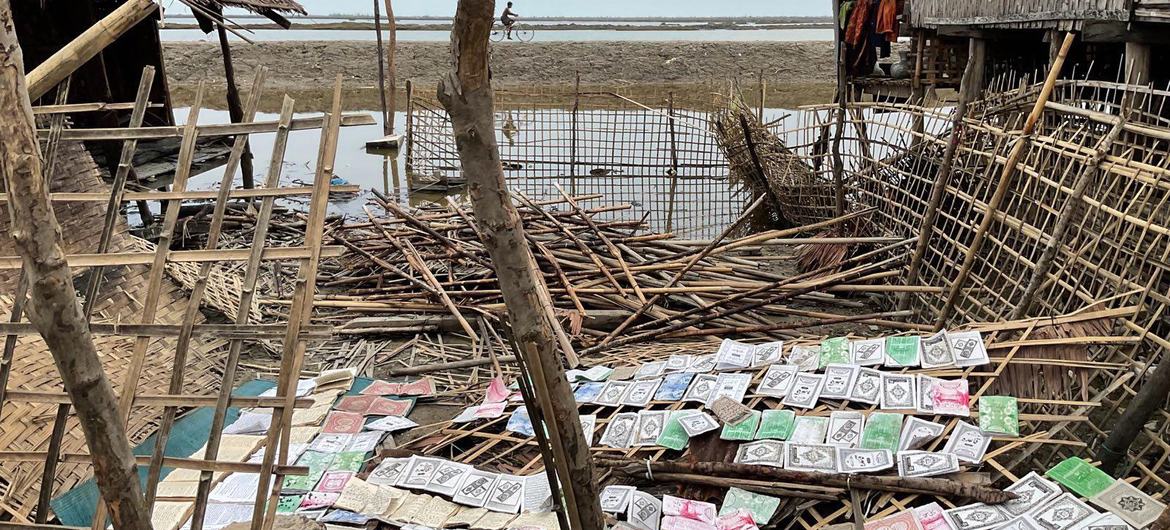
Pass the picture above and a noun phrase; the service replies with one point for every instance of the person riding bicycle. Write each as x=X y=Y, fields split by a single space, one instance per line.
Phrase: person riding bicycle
x=508 y=18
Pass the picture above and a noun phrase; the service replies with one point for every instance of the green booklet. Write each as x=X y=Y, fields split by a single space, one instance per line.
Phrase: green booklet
x=999 y=415
x=762 y=507
x=317 y=462
x=743 y=430
x=882 y=431
x=673 y=435
x=348 y=461
x=903 y=351
x=776 y=425
x=835 y=351
x=1080 y=476
x=289 y=503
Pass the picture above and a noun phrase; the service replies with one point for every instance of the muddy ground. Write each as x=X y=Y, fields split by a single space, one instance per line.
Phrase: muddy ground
x=796 y=72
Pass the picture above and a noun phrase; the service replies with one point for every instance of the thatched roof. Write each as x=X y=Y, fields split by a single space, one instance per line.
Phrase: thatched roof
x=257 y=6
x=273 y=9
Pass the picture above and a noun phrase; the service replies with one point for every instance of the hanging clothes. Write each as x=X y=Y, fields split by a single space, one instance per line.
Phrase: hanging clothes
x=887 y=20
x=855 y=33
x=843 y=15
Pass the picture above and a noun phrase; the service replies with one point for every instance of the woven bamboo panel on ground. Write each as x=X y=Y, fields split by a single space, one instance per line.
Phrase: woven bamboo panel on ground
x=28 y=426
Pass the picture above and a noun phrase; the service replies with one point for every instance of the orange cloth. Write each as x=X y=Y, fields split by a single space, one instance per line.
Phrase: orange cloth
x=887 y=20
x=855 y=33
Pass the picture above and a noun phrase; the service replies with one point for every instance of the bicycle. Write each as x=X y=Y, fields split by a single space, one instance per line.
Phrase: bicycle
x=520 y=32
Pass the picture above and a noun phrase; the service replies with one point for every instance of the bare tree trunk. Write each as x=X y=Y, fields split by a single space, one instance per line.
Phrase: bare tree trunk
x=466 y=93
x=53 y=306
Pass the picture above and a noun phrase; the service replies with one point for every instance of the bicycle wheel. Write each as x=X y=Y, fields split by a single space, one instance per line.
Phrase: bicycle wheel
x=497 y=33
x=525 y=34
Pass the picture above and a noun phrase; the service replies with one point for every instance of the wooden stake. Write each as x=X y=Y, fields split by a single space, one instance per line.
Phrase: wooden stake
x=466 y=93
x=1006 y=178
x=53 y=306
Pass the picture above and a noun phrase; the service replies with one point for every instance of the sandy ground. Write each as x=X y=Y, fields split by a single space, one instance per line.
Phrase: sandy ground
x=796 y=72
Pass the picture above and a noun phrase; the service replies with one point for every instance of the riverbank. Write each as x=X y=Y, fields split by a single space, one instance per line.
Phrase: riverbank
x=796 y=72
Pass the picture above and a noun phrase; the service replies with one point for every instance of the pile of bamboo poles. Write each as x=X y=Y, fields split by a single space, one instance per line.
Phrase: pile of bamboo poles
x=609 y=282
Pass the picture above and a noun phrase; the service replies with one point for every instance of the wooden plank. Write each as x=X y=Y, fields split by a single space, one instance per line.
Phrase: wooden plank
x=204 y=131
x=227 y=331
x=157 y=400
x=181 y=256
x=192 y=195
x=75 y=108
x=177 y=463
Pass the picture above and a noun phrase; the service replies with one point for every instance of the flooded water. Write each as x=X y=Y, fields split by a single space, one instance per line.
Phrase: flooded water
x=573 y=35
x=699 y=207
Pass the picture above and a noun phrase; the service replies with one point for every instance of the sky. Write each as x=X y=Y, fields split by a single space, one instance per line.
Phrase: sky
x=600 y=8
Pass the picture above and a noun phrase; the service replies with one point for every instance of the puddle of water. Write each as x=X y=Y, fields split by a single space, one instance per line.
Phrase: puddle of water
x=701 y=206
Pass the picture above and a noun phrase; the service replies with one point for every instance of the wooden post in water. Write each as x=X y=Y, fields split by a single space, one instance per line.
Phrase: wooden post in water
x=409 y=128
x=763 y=88
x=54 y=308
x=466 y=93
x=673 y=162
x=387 y=127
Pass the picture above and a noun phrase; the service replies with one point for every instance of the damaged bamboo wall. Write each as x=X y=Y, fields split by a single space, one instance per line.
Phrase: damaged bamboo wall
x=1084 y=222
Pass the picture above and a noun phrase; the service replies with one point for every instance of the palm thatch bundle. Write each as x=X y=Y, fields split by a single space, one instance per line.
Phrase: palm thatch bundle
x=762 y=165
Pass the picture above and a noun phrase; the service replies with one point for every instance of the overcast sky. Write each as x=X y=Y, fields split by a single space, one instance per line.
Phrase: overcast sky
x=577 y=8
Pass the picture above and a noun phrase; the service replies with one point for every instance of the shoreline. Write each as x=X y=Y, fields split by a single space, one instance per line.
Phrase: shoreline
x=796 y=73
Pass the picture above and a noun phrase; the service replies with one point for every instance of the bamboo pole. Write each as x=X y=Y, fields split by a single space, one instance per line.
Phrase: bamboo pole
x=967 y=91
x=248 y=290
x=673 y=162
x=118 y=187
x=53 y=306
x=466 y=93
x=1006 y=178
x=87 y=45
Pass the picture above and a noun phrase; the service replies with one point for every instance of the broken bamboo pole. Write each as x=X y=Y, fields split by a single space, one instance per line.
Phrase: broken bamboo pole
x=466 y=94
x=53 y=306
x=929 y=486
x=87 y=45
x=1006 y=179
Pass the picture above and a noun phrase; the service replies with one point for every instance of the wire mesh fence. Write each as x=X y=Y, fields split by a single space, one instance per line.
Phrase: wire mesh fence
x=660 y=156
